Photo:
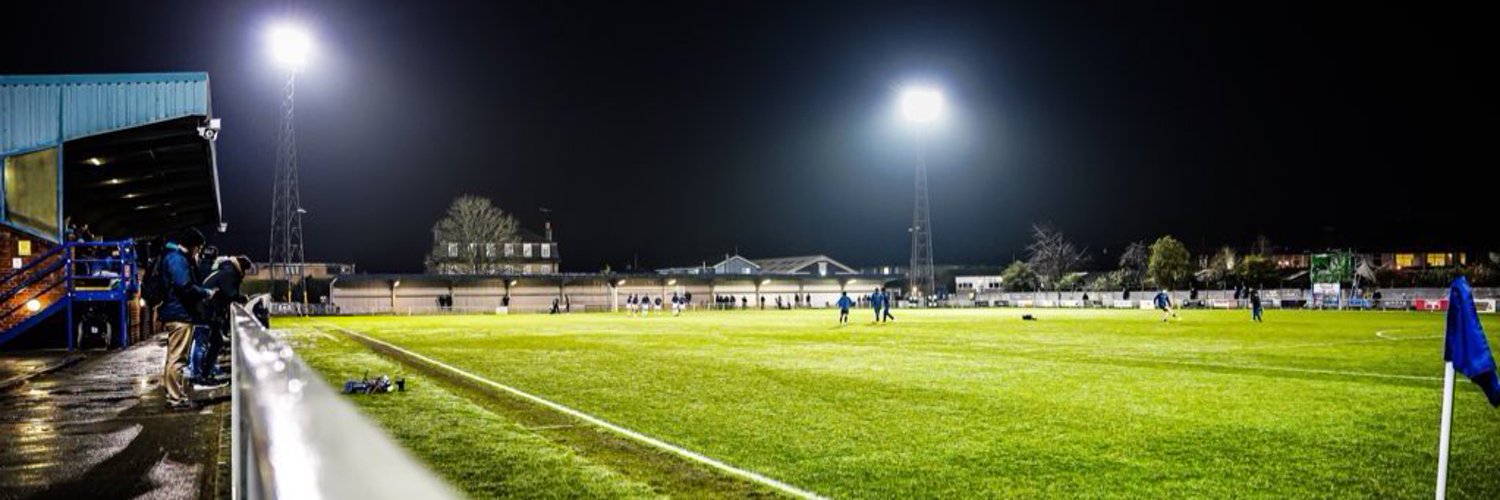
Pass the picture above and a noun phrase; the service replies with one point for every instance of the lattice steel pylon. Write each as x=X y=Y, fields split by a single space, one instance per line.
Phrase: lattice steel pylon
x=920 y=276
x=286 y=259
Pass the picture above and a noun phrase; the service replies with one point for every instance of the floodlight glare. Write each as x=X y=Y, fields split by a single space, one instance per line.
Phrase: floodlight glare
x=33 y=305
x=921 y=104
x=290 y=46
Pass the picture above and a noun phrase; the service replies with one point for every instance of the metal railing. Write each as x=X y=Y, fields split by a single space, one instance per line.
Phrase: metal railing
x=294 y=437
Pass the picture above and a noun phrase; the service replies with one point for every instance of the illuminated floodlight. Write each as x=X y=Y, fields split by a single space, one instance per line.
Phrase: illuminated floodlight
x=33 y=305
x=290 y=46
x=921 y=104
x=672 y=282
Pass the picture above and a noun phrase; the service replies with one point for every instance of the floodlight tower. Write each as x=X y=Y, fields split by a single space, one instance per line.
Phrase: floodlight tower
x=289 y=46
x=921 y=106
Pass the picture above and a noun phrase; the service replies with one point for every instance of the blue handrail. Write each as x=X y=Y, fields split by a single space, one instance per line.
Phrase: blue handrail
x=34 y=261
x=119 y=266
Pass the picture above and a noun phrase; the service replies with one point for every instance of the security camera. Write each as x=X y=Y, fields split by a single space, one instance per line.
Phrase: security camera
x=210 y=131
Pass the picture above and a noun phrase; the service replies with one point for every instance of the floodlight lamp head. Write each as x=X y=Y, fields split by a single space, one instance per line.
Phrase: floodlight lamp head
x=290 y=46
x=921 y=104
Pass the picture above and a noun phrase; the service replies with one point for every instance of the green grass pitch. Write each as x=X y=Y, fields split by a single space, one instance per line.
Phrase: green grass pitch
x=939 y=403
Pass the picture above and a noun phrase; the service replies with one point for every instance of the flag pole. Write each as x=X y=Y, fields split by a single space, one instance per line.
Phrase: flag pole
x=1442 y=473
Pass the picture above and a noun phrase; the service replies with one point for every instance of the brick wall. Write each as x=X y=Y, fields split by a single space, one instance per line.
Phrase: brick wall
x=10 y=246
x=10 y=242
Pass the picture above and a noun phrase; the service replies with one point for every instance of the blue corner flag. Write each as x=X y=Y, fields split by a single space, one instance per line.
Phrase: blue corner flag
x=1466 y=346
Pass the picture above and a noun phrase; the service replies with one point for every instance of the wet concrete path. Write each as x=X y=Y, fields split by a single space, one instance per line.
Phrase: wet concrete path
x=100 y=429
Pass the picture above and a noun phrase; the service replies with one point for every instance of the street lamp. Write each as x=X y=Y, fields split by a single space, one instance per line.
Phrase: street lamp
x=922 y=106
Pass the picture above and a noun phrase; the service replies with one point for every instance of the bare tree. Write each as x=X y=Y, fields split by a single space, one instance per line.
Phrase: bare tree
x=1263 y=246
x=1052 y=256
x=1221 y=267
x=1133 y=264
x=468 y=238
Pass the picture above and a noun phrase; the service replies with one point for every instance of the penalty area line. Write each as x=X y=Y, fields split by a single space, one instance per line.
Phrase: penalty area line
x=623 y=431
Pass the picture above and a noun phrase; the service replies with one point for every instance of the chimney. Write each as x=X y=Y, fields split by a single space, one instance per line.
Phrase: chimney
x=549 y=230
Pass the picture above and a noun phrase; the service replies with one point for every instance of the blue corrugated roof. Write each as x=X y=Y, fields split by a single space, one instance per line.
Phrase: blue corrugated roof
x=42 y=110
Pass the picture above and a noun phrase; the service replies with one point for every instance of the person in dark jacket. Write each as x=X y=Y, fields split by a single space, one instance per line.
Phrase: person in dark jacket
x=227 y=276
x=1255 y=309
x=180 y=310
x=885 y=306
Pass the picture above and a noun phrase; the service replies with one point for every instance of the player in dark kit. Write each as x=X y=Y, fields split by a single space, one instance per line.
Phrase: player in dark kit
x=844 y=304
x=1164 y=304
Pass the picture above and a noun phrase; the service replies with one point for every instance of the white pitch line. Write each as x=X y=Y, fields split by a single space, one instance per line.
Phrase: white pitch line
x=637 y=436
x=1281 y=369
x=1382 y=334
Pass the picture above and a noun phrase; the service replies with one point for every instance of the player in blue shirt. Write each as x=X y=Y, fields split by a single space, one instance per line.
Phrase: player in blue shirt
x=1164 y=304
x=844 y=303
x=875 y=300
x=885 y=303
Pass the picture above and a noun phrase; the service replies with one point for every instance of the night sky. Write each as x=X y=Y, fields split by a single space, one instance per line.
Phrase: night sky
x=673 y=134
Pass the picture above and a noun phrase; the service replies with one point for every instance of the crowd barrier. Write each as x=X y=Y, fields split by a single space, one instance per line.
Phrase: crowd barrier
x=294 y=437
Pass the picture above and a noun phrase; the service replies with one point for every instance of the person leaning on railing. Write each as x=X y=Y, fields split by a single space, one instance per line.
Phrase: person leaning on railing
x=180 y=310
x=227 y=276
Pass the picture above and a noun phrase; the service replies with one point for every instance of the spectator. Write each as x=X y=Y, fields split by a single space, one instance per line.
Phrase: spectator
x=226 y=278
x=208 y=260
x=179 y=311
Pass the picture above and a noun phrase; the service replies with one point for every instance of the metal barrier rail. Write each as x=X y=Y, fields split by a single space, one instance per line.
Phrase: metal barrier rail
x=294 y=437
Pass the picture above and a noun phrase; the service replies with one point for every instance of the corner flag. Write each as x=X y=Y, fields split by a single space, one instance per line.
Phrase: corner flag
x=1466 y=346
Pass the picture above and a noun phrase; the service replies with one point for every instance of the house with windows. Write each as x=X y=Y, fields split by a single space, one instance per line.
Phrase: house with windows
x=526 y=254
x=1418 y=260
x=813 y=265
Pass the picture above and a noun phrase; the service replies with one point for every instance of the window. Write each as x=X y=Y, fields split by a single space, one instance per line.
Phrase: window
x=489 y=249
x=546 y=251
x=31 y=190
x=526 y=269
x=544 y=269
x=1437 y=260
x=1405 y=260
x=509 y=269
x=510 y=249
x=526 y=250
x=452 y=249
